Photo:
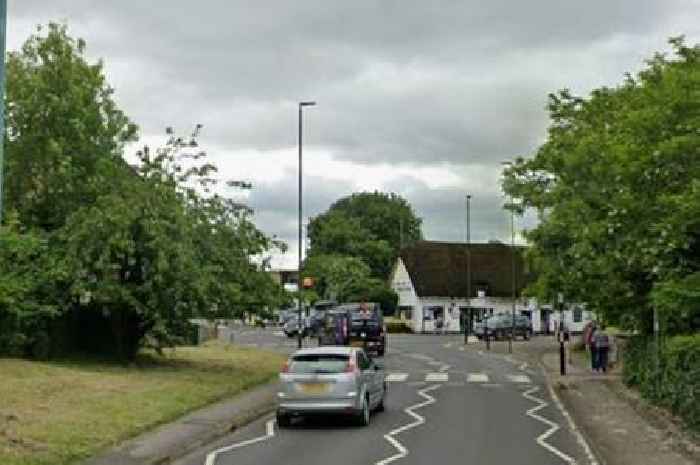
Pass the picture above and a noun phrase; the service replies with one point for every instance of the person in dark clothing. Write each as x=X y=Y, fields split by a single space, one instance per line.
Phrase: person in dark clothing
x=602 y=344
x=589 y=339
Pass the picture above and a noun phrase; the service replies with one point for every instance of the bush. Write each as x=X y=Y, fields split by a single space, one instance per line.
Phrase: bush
x=676 y=383
x=397 y=327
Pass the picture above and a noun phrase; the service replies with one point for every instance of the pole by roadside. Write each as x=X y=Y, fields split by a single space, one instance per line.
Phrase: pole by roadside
x=3 y=30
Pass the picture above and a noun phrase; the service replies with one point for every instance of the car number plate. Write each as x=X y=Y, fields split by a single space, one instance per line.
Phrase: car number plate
x=313 y=388
x=357 y=344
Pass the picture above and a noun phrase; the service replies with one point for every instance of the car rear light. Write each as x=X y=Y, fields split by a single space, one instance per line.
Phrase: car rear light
x=285 y=367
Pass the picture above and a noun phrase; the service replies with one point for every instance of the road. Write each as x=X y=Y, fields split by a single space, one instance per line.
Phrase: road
x=445 y=406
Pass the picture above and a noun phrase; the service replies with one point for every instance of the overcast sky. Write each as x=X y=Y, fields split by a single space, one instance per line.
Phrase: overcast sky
x=422 y=98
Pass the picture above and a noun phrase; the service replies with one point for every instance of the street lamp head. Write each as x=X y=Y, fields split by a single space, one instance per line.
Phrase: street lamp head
x=469 y=196
x=307 y=104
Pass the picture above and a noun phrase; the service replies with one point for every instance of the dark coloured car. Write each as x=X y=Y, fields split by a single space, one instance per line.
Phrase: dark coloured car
x=499 y=326
x=367 y=328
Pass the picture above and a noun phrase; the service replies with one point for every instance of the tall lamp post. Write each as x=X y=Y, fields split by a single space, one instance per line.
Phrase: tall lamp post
x=3 y=29
x=300 y=321
x=468 y=316
x=512 y=267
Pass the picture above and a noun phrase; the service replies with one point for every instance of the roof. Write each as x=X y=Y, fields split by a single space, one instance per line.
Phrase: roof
x=439 y=269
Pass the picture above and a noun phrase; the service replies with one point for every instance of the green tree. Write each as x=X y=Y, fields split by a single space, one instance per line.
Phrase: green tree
x=369 y=226
x=64 y=129
x=616 y=186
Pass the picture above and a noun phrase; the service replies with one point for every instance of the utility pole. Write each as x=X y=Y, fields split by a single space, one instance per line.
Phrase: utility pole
x=3 y=30
x=468 y=322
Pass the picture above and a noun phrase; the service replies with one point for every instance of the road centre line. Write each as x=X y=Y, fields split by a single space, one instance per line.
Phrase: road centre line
x=419 y=420
x=270 y=432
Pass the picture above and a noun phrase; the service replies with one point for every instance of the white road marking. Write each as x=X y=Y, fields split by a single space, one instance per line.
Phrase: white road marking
x=523 y=367
x=270 y=432
x=278 y=333
x=579 y=437
x=444 y=367
x=397 y=377
x=519 y=379
x=437 y=377
x=553 y=427
x=477 y=378
x=461 y=349
x=402 y=451
x=448 y=345
x=434 y=363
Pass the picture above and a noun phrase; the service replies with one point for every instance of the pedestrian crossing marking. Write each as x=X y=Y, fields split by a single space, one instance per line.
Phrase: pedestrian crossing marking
x=397 y=377
x=477 y=378
x=519 y=379
x=437 y=377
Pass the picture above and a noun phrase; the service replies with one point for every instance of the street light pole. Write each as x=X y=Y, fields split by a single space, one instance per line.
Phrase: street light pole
x=512 y=266
x=3 y=30
x=300 y=324
x=467 y=323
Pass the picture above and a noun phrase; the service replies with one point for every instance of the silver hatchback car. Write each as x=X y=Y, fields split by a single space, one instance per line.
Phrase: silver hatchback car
x=330 y=379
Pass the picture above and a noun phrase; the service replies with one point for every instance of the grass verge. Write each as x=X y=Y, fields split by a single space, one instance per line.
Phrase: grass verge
x=61 y=412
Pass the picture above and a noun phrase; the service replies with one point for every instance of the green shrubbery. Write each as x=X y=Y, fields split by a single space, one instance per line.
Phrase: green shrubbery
x=676 y=382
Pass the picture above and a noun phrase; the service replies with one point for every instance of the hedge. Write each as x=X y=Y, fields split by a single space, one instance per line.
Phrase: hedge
x=676 y=383
x=397 y=327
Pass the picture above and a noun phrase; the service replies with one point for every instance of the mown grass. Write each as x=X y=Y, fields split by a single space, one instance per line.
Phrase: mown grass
x=61 y=412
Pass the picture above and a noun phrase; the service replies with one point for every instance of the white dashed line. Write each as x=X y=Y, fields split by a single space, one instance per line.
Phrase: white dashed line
x=270 y=428
x=397 y=377
x=402 y=451
x=519 y=379
x=437 y=377
x=477 y=378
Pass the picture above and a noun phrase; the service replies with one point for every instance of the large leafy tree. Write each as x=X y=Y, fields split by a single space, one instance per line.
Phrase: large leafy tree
x=64 y=129
x=368 y=226
x=616 y=185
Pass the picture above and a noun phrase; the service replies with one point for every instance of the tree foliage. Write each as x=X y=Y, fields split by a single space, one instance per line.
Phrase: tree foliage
x=617 y=188
x=142 y=248
x=369 y=226
x=64 y=129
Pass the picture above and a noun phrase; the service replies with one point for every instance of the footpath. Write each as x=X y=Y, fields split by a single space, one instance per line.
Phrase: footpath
x=620 y=426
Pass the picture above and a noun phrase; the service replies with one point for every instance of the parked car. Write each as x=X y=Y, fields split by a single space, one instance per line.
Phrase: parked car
x=499 y=326
x=310 y=325
x=330 y=380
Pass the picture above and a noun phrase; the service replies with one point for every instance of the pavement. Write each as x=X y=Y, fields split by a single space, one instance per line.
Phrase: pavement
x=447 y=403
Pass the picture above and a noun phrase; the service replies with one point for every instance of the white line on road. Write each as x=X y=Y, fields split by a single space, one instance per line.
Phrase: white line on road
x=270 y=432
x=477 y=378
x=397 y=377
x=553 y=427
x=437 y=377
x=461 y=349
x=419 y=420
x=519 y=379
x=579 y=437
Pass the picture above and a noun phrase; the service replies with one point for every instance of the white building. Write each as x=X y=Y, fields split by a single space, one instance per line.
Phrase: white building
x=431 y=279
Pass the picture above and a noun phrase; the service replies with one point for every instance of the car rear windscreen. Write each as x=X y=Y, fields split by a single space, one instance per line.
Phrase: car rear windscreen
x=318 y=363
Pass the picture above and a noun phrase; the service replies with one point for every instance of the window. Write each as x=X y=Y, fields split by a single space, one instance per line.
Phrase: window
x=318 y=363
x=578 y=315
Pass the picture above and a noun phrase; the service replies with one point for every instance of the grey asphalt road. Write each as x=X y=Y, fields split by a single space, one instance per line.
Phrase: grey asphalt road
x=478 y=415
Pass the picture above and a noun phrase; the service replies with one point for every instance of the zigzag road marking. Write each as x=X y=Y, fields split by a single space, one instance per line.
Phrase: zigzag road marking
x=270 y=432
x=553 y=427
x=419 y=420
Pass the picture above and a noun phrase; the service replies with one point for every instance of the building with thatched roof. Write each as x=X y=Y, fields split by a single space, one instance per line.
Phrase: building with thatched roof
x=448 y=286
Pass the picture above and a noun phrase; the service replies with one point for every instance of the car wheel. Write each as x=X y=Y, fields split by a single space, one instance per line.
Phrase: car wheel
x=363 y=418
x=380 y=352
x=283 y=421
x=380 y=406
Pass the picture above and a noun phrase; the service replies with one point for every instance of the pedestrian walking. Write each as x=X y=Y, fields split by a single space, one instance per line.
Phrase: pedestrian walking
x=602 y=344
x=589 y=340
